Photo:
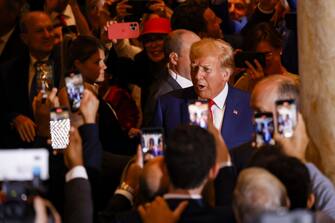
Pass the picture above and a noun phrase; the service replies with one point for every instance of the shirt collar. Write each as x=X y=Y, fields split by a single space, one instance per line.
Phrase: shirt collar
x=220 y=99
x=33 y=60
x=182 y=196
x=182 y=81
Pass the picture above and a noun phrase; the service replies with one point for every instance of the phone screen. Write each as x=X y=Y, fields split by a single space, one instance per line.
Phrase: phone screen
x=286 y=117
x=44 y=78
x=264 y=129
x=198 y=113
x=152 y=141
x=59 y=128
x=241 y=57
x=75 y=90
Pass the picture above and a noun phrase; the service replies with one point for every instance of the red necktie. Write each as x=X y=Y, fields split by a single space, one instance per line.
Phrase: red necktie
x=210 y=105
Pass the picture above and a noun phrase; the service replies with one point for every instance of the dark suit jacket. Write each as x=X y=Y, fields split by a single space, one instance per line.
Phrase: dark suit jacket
x=78 y=203
x=14 y=46
x=196 y=211
x=163 y=86
x=14 y=76
x=237 y=128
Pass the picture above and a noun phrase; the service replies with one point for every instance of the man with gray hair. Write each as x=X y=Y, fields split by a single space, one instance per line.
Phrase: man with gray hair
x=258 y=191
x=177 y=73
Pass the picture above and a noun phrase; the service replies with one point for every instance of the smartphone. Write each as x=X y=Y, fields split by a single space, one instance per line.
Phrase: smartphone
x=75 y=89
x=198 y=113
x=59 y=128
x=264 y=127
x=286 y=117
x=152 y=141
x=241 y=57
x=44 y=78
x=23 y=164
x=125 y=30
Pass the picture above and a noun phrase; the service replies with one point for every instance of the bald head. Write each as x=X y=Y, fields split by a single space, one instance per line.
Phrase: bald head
x=256 y=191
x=271 y=89
x=177 y=48
x=37 y=33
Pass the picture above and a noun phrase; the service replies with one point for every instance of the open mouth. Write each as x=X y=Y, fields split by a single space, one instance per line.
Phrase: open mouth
x=201 y=87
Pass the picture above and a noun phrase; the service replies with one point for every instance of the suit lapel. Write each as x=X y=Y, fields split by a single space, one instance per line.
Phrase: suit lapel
x=189 y=94
x=231 y=112
x=173 y=83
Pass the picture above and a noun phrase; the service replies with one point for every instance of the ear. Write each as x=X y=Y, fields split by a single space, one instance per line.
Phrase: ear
x=213 y=172
x=226 y=74
x=310 y=201
x=173 y=57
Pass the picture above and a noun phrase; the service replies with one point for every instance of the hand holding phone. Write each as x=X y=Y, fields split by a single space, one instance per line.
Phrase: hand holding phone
x=264 y=129
x=59 y=127
x=126 y=30
x=198 y=113
x=75 y=89
x=240 y=59
x=152 y=142
x=286 y=117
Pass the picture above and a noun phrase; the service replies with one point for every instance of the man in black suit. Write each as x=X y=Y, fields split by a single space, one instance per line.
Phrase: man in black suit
x=18 y=77
x=177 y=74
x=10 y=41
x=187 y=178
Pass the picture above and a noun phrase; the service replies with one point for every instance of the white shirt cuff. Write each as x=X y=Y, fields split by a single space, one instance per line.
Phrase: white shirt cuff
x=128 y=195
x=76 y=172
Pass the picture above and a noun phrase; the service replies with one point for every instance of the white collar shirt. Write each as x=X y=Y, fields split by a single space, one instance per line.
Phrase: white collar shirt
x=218 y=107
x=182 y=81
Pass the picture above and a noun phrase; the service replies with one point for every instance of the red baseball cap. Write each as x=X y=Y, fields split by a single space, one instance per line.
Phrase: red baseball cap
x=156 y=25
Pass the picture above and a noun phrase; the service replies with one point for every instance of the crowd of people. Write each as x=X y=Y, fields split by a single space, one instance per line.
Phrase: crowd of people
x=185 y=52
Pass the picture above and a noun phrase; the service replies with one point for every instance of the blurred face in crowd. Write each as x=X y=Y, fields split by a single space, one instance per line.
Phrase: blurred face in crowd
x=154 y=46
x=272 y=56
x=208 y=77
x=39 y=34
x=213 y=24
x=237 y=9
x=182 y=64
x=264 y=96
x=93 y=69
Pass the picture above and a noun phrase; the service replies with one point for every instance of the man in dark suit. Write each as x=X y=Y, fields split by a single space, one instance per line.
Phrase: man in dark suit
x=177 y=74
x=10 y=42
x=187 y=178
x=18 y=78
x=212 y=64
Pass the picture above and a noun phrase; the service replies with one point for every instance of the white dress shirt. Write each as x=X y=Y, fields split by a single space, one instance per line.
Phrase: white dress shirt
x=4 y=39
x=182 y=196
x=182 y=81
x=219 y=107
x=76 y=172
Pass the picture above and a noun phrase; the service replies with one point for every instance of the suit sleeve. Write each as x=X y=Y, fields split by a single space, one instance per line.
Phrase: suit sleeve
x=224 y=186
x=158 y=117
x=78 y=201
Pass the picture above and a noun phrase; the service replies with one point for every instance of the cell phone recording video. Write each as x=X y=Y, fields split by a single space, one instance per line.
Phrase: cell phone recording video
x=126 y=30
x=44 y=78
x=75 y=90
x=59 y=128
x=286 y=117
x=241 y=57
x=264 y=129
x=152 y=142
x=198 y=113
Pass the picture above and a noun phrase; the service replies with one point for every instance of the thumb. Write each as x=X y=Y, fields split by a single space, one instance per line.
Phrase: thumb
x=180 y=209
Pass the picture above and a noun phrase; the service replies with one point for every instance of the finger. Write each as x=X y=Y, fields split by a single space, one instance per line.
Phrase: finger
x=30 y=131
x=22 y=134
x=258 y=65
x=40 y=210
x=139 y=156
x=141 y=211
x=53 y=97
x=54 y=213
x=180 y=209
x=250 y=66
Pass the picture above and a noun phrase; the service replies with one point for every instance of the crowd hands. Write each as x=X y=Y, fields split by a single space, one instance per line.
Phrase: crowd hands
x=196 y=161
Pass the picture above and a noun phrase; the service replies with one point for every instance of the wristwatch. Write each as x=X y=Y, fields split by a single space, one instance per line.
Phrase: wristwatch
x=127 y=187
